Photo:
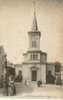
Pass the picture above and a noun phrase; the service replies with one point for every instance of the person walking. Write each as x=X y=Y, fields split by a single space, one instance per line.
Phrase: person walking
x=12 y=88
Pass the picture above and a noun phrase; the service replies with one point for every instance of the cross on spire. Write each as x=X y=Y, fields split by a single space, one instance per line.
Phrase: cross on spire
x=34 y=25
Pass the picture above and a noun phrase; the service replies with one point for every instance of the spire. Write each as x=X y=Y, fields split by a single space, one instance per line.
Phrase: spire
x=34 y=25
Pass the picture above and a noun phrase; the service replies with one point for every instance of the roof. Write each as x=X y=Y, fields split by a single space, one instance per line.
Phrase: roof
x=34 y=25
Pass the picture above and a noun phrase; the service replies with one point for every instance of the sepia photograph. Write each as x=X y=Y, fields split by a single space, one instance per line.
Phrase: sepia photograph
x=31 y=48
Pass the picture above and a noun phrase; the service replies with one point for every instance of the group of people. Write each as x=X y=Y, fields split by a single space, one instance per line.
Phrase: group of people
x=9 y=88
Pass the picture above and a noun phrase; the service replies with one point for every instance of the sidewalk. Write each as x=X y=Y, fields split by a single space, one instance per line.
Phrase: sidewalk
x=46 y=90
x=1 y=92
x=34 y=91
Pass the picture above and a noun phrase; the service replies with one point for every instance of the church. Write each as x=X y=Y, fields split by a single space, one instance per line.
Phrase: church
x=35 y=66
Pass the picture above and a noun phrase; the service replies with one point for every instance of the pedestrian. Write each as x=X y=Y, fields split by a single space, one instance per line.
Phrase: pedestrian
x=12 y=88
x=39 y=83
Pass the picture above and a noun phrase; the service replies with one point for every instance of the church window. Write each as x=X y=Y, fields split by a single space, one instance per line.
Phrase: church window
x=0 y=51
x=34 y=56
x=34 y=44
x=31 y=56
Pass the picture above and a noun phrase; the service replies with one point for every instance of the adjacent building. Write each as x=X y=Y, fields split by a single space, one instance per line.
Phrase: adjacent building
x=18 y=67
x=2 y=60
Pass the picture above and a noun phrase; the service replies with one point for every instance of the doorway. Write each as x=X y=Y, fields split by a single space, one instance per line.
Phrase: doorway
x=34 y=75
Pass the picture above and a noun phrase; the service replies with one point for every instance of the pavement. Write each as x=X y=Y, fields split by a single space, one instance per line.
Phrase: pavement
x=22 y=90
x=43 y=91
x=1 y=92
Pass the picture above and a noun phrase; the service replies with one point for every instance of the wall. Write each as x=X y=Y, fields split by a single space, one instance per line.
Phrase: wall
x=2 y=60
x=26 y=72
x=62 y=74
x=51 y=67
x=17 y=68
x=43 y=58
x=43 y=73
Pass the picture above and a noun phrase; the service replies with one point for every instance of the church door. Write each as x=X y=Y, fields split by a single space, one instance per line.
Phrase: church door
x=34 y=75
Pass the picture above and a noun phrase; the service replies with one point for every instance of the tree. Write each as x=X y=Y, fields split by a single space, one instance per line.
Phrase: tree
x=57 y=67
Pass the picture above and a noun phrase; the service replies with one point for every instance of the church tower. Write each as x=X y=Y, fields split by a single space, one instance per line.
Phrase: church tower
x=34 y=65
x=34 y=35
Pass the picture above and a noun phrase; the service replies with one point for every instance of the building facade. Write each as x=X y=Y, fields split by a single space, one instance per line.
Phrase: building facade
x=2 y=60
x=35 y=66
x=18 y=67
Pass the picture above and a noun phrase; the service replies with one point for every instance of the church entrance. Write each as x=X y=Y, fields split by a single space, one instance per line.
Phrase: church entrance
x=34 y=75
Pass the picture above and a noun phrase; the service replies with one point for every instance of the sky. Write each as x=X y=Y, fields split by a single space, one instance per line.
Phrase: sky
x=16 y=17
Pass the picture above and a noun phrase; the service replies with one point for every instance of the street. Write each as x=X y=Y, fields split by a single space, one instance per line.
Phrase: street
x=34 y=91
x=45 y=90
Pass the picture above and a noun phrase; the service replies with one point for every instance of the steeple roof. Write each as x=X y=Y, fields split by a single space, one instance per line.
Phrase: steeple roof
x=34 y=25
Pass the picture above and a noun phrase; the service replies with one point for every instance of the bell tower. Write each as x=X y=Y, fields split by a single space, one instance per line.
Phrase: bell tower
x=34 y=65
x=34 y=34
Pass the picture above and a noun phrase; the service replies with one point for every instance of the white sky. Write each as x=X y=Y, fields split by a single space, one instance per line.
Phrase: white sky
x=16 y=18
